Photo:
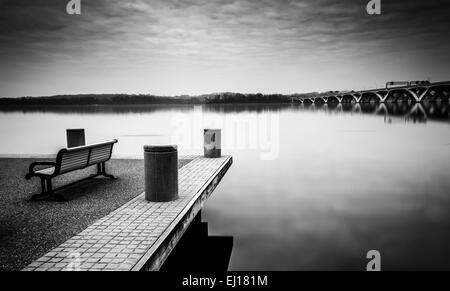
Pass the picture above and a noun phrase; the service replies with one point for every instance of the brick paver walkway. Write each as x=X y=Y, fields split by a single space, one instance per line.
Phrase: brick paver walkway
x=121 y=239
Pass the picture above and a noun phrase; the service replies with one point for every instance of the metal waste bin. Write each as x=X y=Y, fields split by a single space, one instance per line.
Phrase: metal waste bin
x=161 y=173
x=75 y=137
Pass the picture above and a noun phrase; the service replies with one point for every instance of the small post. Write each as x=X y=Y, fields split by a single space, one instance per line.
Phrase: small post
x=161 y=173
x=212 y=143
x=75 y=137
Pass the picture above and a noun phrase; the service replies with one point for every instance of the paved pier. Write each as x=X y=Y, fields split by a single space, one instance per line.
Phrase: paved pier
x=140 y=234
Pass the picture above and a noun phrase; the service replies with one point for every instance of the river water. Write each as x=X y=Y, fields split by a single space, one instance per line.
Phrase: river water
x=311 y=187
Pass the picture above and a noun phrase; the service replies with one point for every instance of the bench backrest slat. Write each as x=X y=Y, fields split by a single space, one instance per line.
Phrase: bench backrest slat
x=83 y=156
x=74 y=160
x=100 y=154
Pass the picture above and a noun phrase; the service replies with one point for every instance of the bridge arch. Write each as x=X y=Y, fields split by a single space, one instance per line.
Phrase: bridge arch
x=370 y=97
x=308 y=101
x=333 y=99
x=348 y=98
x=419 y=92
x=401 y=95
x=436 y=94
x=320 y=100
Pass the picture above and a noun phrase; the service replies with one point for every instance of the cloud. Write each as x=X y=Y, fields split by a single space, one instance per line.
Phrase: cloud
x=128 y=34
x=194 y=25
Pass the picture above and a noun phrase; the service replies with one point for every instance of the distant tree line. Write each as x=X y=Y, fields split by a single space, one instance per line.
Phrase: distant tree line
x=126 y=99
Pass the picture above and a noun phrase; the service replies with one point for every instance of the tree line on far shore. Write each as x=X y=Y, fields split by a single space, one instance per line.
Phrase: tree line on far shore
x=143 y=99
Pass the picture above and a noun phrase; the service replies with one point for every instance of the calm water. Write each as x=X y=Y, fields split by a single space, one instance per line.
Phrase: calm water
x=311 y=188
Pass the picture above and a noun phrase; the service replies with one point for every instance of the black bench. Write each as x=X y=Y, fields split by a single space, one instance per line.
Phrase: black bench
x=68 y=160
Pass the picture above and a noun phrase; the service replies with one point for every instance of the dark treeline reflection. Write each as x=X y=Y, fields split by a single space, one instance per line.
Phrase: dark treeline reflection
x=145 y=99
x=101 y=109
x=414 y=112
x=126 y=109
x=243 y=108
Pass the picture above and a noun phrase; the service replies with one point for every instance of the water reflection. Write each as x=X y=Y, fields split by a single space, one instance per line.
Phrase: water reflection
x=198 y=251
x=348 y=178
x=408 y=111
x=100 y=109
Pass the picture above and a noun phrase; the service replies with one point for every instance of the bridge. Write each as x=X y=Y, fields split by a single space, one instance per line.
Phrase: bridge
x=409 y=92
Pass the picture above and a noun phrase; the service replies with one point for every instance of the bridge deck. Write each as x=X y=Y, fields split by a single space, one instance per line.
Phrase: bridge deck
x=139 y=235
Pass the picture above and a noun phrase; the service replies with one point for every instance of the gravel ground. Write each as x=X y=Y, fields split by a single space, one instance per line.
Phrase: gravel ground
x=29 y=229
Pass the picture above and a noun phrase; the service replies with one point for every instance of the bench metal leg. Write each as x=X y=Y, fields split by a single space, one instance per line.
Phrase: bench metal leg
x=101 y=170
x=49 y=186
x=43 y=186
x=51 y=193
x=47 y=191
x=43 y=191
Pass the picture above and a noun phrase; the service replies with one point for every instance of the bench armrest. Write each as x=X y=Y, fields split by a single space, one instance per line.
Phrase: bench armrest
x=31 y=168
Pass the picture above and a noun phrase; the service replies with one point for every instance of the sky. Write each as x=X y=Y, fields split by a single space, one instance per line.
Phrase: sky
x=177 y=47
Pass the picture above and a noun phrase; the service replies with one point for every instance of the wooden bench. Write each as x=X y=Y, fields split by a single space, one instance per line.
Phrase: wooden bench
x=68 y=160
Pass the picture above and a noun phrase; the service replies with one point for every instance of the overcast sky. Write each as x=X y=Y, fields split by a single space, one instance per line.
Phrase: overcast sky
x=171 y=47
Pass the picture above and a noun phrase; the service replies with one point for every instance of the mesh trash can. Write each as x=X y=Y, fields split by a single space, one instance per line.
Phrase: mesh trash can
x=161 y=173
